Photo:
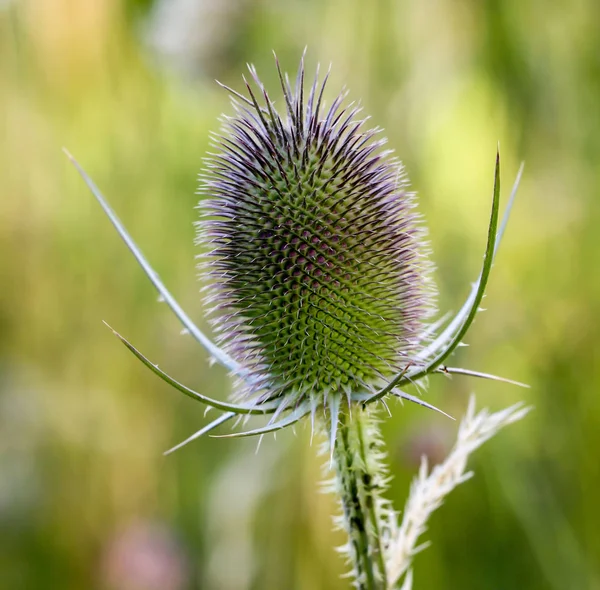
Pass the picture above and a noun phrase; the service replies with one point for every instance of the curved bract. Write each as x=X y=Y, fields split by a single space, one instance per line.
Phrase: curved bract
x=320 y=282
x=165 y=294
x=473 y=303
x=263 y=408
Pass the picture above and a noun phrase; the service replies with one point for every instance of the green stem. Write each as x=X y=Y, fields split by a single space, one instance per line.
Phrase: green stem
x=373 y=478
x=359 y=478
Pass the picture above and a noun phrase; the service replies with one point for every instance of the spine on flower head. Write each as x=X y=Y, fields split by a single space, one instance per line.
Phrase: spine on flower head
x=319 y=278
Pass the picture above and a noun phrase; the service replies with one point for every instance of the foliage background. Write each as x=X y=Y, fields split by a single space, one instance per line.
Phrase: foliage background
x=86 y=498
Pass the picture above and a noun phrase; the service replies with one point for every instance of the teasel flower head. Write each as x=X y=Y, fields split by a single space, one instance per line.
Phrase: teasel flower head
x=319 y=291
x=320 y=280
x=320 y=285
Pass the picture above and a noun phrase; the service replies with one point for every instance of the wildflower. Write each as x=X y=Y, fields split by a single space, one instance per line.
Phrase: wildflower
x=321 y=281
x=318 y=270
x=321 y=287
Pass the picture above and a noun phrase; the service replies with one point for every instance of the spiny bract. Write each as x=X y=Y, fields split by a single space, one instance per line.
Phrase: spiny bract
x=319 y=275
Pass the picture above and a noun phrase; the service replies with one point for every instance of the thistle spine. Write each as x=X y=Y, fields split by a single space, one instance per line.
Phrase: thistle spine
x=319 y=277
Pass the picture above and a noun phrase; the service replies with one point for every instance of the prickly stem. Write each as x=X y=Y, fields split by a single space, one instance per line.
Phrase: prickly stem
x=359 y=480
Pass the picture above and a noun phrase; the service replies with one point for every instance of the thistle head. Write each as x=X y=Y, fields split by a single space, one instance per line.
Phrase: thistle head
x=320 y=278
x=319 y=275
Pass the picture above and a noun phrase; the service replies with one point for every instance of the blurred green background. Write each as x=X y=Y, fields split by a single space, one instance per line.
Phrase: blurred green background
x=86 y=498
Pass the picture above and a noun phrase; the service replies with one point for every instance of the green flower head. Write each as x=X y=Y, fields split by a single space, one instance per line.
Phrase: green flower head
x=320 y=283
x=319 y=275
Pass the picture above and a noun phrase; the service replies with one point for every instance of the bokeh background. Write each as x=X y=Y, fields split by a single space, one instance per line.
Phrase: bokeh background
x=86 y=498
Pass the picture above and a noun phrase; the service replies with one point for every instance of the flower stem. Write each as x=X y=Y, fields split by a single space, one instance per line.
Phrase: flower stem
x=360 y=477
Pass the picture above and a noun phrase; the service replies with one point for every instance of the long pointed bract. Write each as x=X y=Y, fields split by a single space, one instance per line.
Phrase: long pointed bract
x=220 y=355
x=290 y=419
x=509 y=206
x=420 y=402
x=451 y=328
x=401 y=379
x=217 y=422
x=479 y=374
x=224 y=406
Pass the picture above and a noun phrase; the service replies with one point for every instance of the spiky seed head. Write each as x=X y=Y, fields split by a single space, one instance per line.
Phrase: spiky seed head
x=319 y=272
